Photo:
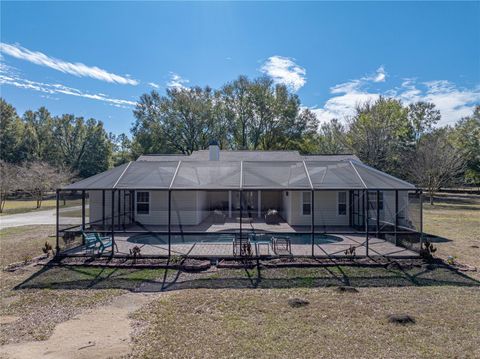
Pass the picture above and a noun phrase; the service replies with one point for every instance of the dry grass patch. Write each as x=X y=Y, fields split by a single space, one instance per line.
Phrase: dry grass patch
x=456 y=219
x=260 y=324
x=24 y=243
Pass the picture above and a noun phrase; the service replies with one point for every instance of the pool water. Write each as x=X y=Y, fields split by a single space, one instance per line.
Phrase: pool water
x=295 y=238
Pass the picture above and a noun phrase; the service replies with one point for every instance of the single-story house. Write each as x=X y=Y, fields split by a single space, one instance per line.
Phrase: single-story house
x=215 y=190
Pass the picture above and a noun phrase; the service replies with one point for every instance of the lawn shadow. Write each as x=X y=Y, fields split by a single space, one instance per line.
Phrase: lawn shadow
x=436 y=239
x=159 y=280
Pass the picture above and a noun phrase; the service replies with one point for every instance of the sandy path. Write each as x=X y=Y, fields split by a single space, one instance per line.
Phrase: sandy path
x=103 y=332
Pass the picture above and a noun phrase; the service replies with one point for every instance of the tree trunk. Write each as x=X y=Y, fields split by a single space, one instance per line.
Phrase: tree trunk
x=2 y=203
x=430 y=192
x=39 y=199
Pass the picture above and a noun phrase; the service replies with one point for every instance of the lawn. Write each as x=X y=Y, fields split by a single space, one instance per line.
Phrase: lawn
x=260 y=324
x=455 y=219
x=24 y=243
x=245 y=313
x=24 y=206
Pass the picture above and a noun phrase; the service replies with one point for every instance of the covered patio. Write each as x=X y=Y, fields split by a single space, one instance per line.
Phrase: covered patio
x=202 y=208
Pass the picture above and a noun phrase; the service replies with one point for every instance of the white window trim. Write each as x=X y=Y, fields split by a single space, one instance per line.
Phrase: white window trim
x=346 y=204
x=303 y=202
x=149 y=203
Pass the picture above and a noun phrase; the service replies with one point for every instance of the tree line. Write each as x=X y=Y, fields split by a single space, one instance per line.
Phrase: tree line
x=251 y=114
x=243 y=114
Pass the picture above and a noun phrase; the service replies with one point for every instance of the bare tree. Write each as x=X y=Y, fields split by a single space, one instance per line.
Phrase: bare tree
x=39 y=178
x=8 y=181
x=436 y=163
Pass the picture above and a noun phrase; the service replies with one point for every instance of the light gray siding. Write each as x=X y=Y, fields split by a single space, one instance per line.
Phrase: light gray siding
x=326 y=209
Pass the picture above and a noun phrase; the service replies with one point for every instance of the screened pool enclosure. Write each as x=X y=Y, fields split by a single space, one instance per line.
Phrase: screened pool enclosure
x=169 y=206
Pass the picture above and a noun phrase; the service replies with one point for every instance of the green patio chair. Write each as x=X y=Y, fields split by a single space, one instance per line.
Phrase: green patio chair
x=90 y=241
x=94 y=238
x=105 y=242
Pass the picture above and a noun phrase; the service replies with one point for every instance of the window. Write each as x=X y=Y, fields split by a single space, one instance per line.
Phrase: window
x=372 y=200
x=306 y=203
x=342 y=203
x=143 y=202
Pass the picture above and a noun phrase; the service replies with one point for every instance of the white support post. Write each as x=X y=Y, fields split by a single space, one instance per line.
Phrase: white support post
x=229 y=204
x=259 y=203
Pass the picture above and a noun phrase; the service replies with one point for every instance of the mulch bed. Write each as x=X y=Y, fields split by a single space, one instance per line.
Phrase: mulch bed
x=182 y=264
x=190 y=264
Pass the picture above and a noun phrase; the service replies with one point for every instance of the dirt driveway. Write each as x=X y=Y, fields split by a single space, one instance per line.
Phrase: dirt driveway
x=103 y=332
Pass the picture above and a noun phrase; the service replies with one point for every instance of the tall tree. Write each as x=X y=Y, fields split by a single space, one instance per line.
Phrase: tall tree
x=381 y=135
x=466 y=137
x=422 y=116
x=9 y=181
x=236 y=96
x=11 y=133
x=244 y=114
x=188 y=122
x=121 y=146
x=37 y=178
x=84 y=147
x=97 y=150
x=332 y=138
x=437 y=163
x=148 y=128
x=40 y=124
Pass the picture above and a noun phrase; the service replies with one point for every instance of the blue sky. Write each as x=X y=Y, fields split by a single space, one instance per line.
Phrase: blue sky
x=96 y=59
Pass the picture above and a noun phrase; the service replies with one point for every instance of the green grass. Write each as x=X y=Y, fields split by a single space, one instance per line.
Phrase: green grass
x=25 y=206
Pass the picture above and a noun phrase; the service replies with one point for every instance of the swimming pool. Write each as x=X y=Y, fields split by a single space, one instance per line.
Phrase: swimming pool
x=221 y=238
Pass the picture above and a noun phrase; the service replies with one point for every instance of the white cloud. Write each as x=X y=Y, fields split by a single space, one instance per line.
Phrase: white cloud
x=284 y=70
x=77 y=69
x=9 y=78
x=380 y=75
x=176 y=81
x=350 y=95
x=452 y=101
x=154 y=85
